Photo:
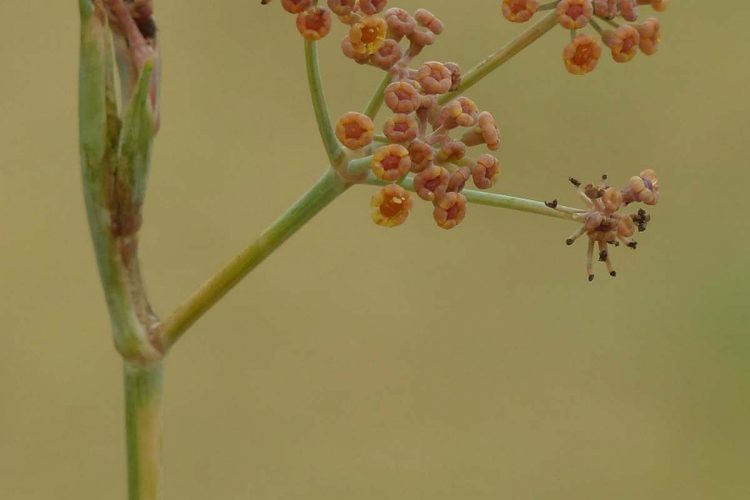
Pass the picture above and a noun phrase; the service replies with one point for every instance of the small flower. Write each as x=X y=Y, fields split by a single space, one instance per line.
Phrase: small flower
x=387 y=55
x=401 y=97
x=427 y=19
x=431 y=182
x=421 y=155
x=296 y=6
x=606 y=9
x=341 y=7
x=644 y=188
x=623 y=42
x=370 y=7
x=391 y=162
x=485 y=171
x=451 y=151
x=458 y=179
x=314 y=23
x=455 y=70
x=400 y=23
x=390 y=206
x=649 y=33
x=628 y=10
x=450 y=210
x=486 y=132
x=582 y=54
x=367 y=35
x=355 y=130
x=434 y=78
x=574 y=14
x=519 y=11
x=401 y=128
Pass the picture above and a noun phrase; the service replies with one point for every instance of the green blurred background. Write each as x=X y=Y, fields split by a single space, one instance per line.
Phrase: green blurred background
x=365 y=363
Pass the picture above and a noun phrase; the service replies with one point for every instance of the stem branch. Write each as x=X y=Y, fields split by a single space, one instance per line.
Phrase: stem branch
x=325 y=190
x=502 y=55
x=331 y=144
x=495 y=200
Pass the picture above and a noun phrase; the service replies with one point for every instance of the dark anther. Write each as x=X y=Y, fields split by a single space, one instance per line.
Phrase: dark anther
x=613 y=273
x=603 y=256
x=633 y=245
x=570 y=241
x=604 y=177
x=551 y=204
x=591 y=277
x=574 y=181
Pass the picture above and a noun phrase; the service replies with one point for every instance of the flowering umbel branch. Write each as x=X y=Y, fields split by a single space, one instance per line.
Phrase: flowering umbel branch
x=427 y=147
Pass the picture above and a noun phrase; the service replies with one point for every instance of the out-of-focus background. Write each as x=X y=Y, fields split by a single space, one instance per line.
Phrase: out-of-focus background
x=365 y=363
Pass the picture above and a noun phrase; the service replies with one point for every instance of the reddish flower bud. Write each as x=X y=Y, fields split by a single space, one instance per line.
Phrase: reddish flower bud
x=458 y=179
x=623 y=43
x=451 y=151
x=355 y=130
x=574 y=14
x=401 y=97
x=296 y=6
x=314 y=23
x=431 y=182
x=434 y=78
x=427 y=19
x=582 y=55
x=628 y=10
x=421 y=155
x=387 y=55
x=605 y=8
x=342 y=7
x=401 y=128
x=370 y=7
x=650 y=34
x=519 y=11
x=450 y=210
x=485 y=171
x=390 y=206
x=455 y=70
x=391 y=162
x=400 y=23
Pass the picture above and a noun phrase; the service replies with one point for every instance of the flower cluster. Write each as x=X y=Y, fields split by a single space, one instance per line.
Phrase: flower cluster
x=582 y=54
x=601 y=220
x=417 y=139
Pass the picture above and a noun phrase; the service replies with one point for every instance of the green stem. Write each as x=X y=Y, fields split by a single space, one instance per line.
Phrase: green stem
x=502 y=55
x=496 y=200
x=331 y=144
x=376 y=101
x=325 y=190
x=143 y=394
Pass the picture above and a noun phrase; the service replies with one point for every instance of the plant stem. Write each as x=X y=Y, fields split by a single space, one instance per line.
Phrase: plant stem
x=331 y=144
x=376 y=101
x=495 y=200
x=143 y=394
x=502 y=55
x=325 y=190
